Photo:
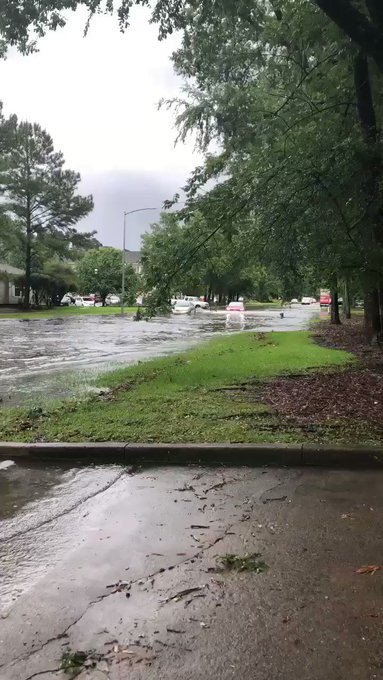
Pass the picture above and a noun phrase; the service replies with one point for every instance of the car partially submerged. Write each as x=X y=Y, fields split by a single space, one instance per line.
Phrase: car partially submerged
x=197 y=302
x=235 y=306
x=183 y=307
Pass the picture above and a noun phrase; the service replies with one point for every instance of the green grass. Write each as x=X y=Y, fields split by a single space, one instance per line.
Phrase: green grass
x=59 y=312
x=182 y=398
x=254 y=304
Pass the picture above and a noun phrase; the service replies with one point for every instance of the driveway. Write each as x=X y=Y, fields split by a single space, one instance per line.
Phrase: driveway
x=122 y=565
x=42 y=358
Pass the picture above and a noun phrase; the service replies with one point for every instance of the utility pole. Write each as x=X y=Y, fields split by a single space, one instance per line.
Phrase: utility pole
x=128 y=212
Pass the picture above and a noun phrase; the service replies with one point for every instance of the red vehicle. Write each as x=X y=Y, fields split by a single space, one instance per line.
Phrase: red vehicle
x=235 y=307
x=325 y=298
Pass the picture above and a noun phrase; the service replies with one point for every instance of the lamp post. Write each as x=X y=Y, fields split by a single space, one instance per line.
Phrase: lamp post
x=128 y=212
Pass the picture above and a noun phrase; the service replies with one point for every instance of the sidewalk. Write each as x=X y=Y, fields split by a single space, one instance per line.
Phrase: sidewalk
x=174 y=615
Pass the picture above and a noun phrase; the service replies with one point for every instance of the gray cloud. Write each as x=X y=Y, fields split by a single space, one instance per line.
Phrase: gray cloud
x=117 y=191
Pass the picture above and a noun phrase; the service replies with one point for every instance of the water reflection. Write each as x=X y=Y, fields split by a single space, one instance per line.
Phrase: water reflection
x=235 y=320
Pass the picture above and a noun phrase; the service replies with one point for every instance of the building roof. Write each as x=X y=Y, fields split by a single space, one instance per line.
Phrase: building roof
x=133 y=256
x=8 y=269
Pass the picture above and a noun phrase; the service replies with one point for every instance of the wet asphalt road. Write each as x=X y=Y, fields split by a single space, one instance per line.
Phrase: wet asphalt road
x=42 y=358
x=309 y=616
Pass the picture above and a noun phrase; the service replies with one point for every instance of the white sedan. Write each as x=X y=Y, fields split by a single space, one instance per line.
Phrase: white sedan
x=85 y=301
x=112 y=299
x=183 y=307
x=196 y=302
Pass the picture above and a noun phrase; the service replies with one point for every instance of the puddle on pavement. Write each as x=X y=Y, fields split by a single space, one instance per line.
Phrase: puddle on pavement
x=55 y=358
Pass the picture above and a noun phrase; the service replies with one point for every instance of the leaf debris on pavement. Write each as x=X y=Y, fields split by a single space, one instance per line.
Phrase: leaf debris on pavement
x=182 y=593
x=199 y=526
x=121 y=587
x=246 y=562
x=368 y=569
x=269 y=500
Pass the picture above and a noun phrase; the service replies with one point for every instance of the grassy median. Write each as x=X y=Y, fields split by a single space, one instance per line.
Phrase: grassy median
x=60 y=312
x=209 y=394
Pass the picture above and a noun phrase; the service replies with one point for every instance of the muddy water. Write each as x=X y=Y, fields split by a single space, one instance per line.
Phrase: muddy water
x=44 y=358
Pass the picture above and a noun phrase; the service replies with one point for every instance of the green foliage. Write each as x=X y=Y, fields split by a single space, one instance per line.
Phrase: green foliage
x=73 y=662
x=40 y=203
x=100 y=271
x=22 y=18
x=179 y=256
x=246 y=562
x=52 y=283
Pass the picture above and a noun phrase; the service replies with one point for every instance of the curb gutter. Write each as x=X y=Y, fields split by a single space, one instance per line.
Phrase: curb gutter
x=255 y=455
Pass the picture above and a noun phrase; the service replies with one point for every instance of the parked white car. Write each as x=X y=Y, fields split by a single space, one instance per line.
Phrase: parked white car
x=112 y=299
x=67 y=300
x=196 y=302
x=85 y=301
x=306 y=300
x=183 y=307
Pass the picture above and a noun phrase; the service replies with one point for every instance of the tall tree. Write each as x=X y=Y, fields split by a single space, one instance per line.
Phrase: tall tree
x=38 y=193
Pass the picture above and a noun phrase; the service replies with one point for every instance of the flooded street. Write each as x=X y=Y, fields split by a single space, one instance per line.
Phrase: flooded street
x=43 y=358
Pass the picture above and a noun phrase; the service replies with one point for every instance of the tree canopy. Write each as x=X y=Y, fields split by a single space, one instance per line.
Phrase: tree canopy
x=22 y=22
x=222 y=268
x=40 y=204
x=100 y=271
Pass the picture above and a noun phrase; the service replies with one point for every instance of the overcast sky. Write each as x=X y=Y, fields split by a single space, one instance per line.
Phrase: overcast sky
x=97 y=97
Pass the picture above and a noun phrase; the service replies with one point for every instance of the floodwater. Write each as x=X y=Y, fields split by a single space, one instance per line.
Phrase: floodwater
x=35 y=532
x=45 y=358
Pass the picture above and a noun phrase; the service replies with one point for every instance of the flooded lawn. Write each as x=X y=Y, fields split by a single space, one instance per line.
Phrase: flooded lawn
x=42 y=358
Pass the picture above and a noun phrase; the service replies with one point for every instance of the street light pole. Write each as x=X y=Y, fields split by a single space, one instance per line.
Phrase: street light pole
x=128 y=212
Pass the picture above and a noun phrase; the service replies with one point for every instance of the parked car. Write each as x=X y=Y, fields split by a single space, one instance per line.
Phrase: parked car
x=183 y=307
x=235 y=306
x=306 y=300
x=85 y=301
x=294 y=301
x=112 y=299
x=325 y=299
x=197 y=303
x=67 y=300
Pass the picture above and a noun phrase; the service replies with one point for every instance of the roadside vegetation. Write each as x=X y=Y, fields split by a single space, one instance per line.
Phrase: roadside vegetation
x=215 y=393
x=59 y=312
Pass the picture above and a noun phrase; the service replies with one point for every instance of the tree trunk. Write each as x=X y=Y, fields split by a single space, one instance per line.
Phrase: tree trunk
x=28 y=264
x=364 y=32
x=372 y=235
x=372 y=316
x=346 y=299
x=335 y=318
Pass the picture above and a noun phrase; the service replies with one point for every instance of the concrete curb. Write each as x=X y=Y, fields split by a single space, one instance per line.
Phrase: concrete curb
x=255 y=455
